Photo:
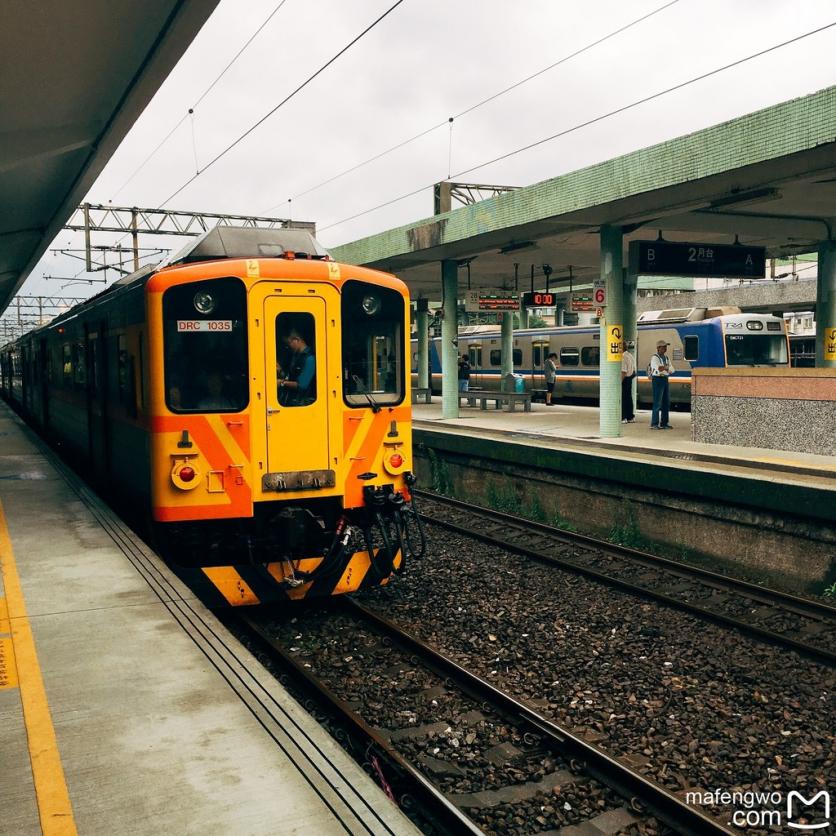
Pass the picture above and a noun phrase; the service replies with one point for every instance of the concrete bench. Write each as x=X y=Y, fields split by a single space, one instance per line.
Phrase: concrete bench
x=507 y=399
x=424 y=395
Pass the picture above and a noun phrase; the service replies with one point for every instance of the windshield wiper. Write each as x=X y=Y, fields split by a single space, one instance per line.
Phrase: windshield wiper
x=363 y=391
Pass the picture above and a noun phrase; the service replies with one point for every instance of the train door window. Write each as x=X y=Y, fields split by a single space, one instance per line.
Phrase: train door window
x=141 y=370
x=537 y=356
x=475 y=356
x=590 y=355
x=122 y=366
x=79 y=365
x=692 y=347
x=569 y=356
x=204 y=347
x=93 y=360
x=295 y=360
x=372 y=345
x=66 y=363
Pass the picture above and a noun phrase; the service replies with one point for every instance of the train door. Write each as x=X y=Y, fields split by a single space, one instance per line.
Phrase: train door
x=539 y=353
x=97 y=418
x=474 y=356
x=296 y=388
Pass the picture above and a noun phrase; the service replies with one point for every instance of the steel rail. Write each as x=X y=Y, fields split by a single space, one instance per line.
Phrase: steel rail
x=791 y=604
x=608 y=770
x=436 y=806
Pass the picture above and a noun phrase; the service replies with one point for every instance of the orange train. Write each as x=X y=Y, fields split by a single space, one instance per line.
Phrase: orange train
x=250 y=396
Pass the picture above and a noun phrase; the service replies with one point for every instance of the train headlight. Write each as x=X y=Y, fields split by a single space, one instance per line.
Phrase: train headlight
x=371 y=304
x=204 y=302
x=755 y=325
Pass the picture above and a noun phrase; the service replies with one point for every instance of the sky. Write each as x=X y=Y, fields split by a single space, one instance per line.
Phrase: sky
x=426 y=61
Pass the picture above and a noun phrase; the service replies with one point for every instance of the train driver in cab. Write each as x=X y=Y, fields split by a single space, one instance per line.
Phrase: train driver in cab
x=298 y=388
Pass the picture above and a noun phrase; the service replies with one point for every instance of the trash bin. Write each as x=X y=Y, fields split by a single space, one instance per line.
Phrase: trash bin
x=513 y=383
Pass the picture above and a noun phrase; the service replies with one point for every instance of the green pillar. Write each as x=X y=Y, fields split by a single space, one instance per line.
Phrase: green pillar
x=610 y=389
x=826 y=307
x=449 y=339
x=524 y=317
x=422 y=327
x=631 y=329
x=507 y=345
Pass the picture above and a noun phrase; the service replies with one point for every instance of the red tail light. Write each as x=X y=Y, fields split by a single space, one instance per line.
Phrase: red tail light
x=186 y=473
x=396 y=460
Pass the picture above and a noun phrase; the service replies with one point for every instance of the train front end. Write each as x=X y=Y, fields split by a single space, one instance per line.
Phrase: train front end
x=281 y=438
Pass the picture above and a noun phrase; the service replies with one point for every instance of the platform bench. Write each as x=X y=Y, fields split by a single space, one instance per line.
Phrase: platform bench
x=424 y=395
x=507 y=399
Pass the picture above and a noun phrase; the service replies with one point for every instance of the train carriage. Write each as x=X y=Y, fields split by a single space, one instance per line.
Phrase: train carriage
x=699 y=337
x=180 y=390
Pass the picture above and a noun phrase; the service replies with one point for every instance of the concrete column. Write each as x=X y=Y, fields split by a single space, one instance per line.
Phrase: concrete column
x=826 y=307
x=631 y=328
x=422 y=325
x=507 y=344
x=449 y=339
x=612 y=275
x=524 y=313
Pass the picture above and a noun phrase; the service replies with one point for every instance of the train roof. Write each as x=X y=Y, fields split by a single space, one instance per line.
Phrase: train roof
x=224 y=242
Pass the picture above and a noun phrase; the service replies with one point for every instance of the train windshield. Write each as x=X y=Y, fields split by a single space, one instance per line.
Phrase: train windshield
x=756 y=349
x=205 y=346
x=373 y=349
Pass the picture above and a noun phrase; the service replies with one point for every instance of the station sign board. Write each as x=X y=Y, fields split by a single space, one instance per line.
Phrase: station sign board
x=582 y=302
x=599 y=293
x=668 y=258
x=539 y=299
x=476 y=300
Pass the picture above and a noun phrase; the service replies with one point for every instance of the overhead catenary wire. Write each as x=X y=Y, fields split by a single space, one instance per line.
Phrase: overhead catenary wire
x=588 y=122
x=190 y=111
x=283 y=102
x=479 y=104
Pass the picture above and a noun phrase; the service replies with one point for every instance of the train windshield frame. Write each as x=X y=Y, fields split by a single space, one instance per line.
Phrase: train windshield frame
x=373 y=359
x=756 y=350
x=206 y=366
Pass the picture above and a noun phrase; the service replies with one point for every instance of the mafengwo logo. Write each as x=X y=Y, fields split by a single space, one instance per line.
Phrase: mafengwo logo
x=802 y=812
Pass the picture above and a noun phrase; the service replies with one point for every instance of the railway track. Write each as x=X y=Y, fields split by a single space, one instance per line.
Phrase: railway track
x=808 y=627
x=471 y=758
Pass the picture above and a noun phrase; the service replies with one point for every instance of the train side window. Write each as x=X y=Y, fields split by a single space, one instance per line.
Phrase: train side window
x=692 y=347
x=496 y=357
x=591 y=355
x=569 y=356
x=67 y=363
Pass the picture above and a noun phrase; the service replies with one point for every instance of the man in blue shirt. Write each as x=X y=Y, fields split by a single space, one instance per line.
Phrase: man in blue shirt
x=299 y=388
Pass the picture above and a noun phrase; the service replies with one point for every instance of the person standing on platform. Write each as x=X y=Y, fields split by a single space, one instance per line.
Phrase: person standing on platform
x=660 y=369
x=464 y=373
x=551 y=377
x=628 y=373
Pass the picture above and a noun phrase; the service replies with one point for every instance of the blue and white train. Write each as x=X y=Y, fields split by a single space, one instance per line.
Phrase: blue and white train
x=698 y=337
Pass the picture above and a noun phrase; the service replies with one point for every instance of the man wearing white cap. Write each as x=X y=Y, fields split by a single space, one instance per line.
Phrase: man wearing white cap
x=661 y=369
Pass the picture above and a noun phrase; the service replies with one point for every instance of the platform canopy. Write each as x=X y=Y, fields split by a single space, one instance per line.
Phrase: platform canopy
x=767 y=179
x=74 y=77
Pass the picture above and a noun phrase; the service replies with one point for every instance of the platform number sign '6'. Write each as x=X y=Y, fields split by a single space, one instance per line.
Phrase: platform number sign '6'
x=599 y=294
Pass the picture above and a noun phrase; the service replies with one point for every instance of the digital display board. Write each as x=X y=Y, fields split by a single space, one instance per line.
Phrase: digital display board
x=539 y=299
x=668 y=258
x=499 y=302
x=582 y=302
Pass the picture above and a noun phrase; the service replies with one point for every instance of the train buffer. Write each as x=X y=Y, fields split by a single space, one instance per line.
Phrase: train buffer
x=421 y=394
x=507 y=399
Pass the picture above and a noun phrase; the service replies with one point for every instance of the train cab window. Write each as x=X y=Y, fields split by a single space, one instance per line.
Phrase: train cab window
x=372 y=345
x=205 y=346
x=591 y=355
x=756 y=349
x=295 y=359
x=569 y=356
x=692 y=347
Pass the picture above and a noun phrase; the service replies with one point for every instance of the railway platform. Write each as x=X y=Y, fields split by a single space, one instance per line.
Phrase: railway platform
x=125 y=706
x=768 y=513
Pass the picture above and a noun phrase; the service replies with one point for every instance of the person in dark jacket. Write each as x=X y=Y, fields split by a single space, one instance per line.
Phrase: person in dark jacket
x=464 y=373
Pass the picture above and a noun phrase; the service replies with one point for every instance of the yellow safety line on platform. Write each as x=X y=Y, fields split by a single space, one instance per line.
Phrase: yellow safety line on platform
x=54 y=807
